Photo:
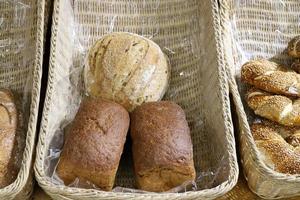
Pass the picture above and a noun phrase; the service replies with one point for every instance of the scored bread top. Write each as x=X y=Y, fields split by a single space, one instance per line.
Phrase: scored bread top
x=127 y=69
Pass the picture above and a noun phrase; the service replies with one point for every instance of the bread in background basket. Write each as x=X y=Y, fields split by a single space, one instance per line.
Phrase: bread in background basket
x=10 y=153
x=294 y=51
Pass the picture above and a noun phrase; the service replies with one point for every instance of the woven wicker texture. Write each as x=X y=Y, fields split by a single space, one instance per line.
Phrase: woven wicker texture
x=257 y=29
x=21 y=51
x=241 y=191
x=17 y=43
x=184 y=30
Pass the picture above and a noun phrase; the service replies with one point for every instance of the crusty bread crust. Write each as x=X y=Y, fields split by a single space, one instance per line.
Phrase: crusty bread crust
x=162 y=146
x=278 y=108
x=280 y=154
x=94 y=143
x=127 y=69
x=8 y=130
x=271 y=77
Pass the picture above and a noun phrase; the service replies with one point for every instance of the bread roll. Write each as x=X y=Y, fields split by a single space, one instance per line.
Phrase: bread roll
x=278 y=108
x=162 y=146
x=275 y=152
x=271 y=77
x=94 y=144
x=294 y=47
x=127 y=69
x=291 y=134
x=8 y=142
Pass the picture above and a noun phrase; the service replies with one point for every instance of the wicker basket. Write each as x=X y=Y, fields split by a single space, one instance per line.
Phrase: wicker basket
x=23 y=77
x=255 y=29
x=203 y=95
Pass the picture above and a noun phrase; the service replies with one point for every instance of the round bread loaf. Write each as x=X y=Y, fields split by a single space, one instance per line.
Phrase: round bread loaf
x=162 y=146
x=128 y=69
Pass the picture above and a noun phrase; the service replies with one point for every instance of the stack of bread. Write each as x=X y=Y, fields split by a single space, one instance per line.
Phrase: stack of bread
x=125 y=78
x=274 y=95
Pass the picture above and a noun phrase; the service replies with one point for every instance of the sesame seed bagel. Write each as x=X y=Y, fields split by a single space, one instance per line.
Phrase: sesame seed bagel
x=278 y=108
x=271 y=77
x=277 y=152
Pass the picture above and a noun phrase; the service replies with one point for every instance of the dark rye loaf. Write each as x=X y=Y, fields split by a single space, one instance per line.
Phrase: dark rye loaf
x=94 y=144
x=162 y=146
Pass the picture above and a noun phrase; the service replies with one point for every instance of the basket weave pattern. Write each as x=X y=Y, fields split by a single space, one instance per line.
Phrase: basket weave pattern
x=176 y=27
x=257 y=29
x=21 y=70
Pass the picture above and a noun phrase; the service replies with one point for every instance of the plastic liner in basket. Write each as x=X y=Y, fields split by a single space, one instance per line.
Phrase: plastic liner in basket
x=252 y=30
x=177 y=33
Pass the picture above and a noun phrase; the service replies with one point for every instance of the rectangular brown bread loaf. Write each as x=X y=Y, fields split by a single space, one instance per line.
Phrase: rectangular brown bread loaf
x=94 y=144
x=8 y=146
x=162 y=146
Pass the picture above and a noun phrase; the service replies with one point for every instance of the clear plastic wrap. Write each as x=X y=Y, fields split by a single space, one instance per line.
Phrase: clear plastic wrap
x=17 y=59
x=175 y=27
x=262 y=33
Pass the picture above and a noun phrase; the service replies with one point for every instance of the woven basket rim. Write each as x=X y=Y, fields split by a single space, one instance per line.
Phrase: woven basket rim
x=263 y=169
x=24 y=173
x=50 y=188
